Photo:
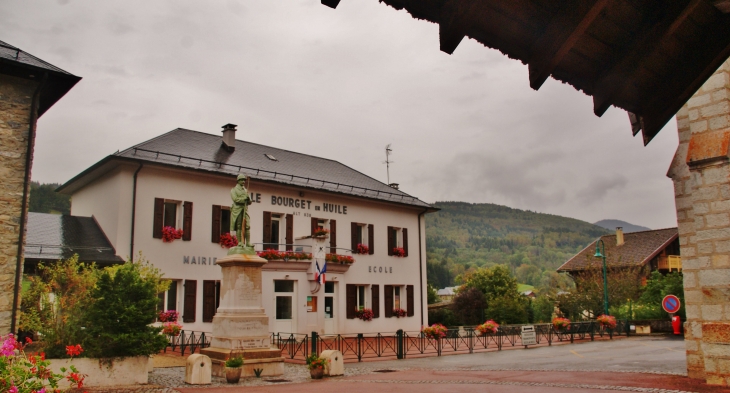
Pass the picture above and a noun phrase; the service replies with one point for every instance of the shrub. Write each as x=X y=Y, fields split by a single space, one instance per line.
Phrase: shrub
x=314 y=361
x=233 y=362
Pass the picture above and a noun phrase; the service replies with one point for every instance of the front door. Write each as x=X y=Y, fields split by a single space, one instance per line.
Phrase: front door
x=330 y=323
x=284 y=301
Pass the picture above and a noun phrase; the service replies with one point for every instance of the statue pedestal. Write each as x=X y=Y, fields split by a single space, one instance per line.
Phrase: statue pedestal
x=240 y=325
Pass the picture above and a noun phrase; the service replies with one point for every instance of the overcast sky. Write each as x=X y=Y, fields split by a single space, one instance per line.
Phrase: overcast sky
x=340 y=84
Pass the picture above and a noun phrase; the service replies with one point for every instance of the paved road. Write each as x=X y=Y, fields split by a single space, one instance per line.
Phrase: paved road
x=636 y=364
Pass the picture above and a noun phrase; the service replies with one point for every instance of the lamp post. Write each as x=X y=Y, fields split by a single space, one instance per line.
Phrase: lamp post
x=602 y=254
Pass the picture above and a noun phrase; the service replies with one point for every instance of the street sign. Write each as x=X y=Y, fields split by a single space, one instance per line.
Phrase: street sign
x=528 y=336
x=670 y=304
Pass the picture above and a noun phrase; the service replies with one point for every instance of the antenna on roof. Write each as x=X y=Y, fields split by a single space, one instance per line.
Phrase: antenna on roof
x=387 y=161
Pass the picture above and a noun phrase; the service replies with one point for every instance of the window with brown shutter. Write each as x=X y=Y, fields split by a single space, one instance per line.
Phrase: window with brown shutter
x=404 y=231
x=191 y=298
x=375 y=292
x=289 y=232
x=267 y=230
x=409 y=301
x=157 y=221
x=333 y=237
x=371 y=239
x=388 y=303
x=187 y=221
x=208 y=300
x=351 y=304
x=215 y=228
x=391 y=238
x=354 y=238
x=315 y=224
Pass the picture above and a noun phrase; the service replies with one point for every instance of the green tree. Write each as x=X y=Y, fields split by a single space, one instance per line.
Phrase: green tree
x=542 y=309
x=433 y=296
x=118 y=321
x=45 y=199
x=469 y=304
x=494 y=282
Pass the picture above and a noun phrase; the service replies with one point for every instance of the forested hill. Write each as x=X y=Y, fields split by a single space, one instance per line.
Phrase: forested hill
x=465 y=235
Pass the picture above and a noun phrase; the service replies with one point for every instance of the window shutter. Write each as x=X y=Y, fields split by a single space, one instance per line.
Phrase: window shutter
x=267 y=229
x=157 y=219
x=388 y=303
x=217 y=294
x=191 y=298
x=289 y=232
x=405 y=240
x=314 y=225
x=391 y=246
x=371 y=239
x=375 y=292
x=333 y=237
x=187 y=221
x=353 y=236
x=215 y=225
x=208 y=300
x=351 y=305
x=409 y=300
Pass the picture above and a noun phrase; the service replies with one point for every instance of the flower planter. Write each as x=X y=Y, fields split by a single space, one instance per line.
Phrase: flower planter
x=106 y=372
x=233 y=374
x=317 y=372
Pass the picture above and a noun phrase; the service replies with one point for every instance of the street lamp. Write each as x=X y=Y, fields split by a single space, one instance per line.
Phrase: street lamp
x=602 y=254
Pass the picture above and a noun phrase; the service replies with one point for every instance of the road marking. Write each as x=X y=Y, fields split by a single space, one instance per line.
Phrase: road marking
x=576 y=354
x=654 y=346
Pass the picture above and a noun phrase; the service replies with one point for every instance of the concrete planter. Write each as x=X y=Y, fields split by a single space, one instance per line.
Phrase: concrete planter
x=106 y=372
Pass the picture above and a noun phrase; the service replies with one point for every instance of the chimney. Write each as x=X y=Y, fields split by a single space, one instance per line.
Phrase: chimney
x=619 y=236
x=229 y=137
x=394 y=185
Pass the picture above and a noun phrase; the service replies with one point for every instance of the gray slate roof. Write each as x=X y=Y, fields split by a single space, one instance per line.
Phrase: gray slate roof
x=53 y=237
x=200 y=151
x=16 y=54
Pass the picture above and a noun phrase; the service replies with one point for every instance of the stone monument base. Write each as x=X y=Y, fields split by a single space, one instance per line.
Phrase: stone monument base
x=268 y=360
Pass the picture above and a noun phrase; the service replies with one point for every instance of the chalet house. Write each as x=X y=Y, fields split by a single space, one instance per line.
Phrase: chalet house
x=653 y=250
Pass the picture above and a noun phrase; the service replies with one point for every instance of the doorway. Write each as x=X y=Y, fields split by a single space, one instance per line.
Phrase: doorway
x=284 y=301
x=330 y=323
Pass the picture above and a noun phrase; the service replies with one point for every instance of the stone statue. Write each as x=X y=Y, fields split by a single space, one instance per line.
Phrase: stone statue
x=240 y=221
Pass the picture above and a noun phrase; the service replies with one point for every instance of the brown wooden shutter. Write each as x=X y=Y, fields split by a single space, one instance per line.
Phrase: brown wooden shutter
x=191 y=299
x=351 y=304
x=215 y=225
x=187 y=221
x=217 y=294
x=371 y=239
x=267 y=230
x=391 y=246
x=333 y=237
x=289 y=232
x=405 y=240
x=157 y=219
x=409 y=300
x=208 y=300
x=388 y=300
x=375 y=292
x=354 y=241
x=314 y=225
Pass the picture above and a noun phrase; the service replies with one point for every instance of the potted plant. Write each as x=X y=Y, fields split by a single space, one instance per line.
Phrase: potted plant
x=399 y=252
x=171 y=328
x=365 y=314
x=607 y=321
x=435 y=331
x=316 y=366
x=561 y=324
x=320 y=233
x=362 y=249
x=489 y=327
x=170 y=234
x=168 y=316
x=227 y=240
x=234 y=366
x=399 y=312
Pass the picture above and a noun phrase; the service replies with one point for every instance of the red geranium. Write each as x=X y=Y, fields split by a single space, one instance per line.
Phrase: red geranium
x=169 y=234
x=74 y=350
x=228 y=240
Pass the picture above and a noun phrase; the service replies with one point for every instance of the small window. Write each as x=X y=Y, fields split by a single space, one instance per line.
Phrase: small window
x=329 y=287
x=283 y=286
x=225 y=219
x=396 y=238
x=275 y=232
x=170 y=214
x=361 y=298
x=270 y=157
x=396 y=297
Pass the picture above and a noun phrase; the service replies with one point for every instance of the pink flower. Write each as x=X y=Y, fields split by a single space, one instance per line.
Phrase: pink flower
x=14 y=389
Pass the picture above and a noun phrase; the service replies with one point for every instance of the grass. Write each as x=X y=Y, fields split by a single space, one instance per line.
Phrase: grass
x=524 y=287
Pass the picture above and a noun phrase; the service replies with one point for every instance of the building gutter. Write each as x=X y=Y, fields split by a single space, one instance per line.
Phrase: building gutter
x=24 y=204
x=134 y=210
x=420 y=259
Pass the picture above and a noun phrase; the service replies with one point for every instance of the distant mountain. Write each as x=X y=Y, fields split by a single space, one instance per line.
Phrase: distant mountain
x=471 y=235
x=628 y=228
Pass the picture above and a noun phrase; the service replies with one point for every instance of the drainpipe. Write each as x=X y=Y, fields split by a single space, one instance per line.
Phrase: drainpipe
x=420 y=261
x=134 y=209
x=24 y=204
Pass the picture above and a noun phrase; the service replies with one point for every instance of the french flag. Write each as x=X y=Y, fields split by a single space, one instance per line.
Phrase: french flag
x=316 y=271
x=323 y=271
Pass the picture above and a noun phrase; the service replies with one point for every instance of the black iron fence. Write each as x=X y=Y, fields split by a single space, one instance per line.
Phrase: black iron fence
x=188 y=341
x=401 y=344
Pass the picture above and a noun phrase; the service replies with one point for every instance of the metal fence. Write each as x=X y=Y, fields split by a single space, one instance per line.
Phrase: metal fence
x=188 y=342
x=401 y=344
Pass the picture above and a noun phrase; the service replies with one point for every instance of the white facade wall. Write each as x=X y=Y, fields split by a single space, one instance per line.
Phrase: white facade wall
x=109 y=199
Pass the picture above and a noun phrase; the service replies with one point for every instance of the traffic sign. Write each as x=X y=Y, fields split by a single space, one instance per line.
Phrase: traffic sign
x=528 y=336
x=670 y=304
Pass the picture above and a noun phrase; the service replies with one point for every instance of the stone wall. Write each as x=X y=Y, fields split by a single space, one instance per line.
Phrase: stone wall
x=701 y=175
x=16 y=97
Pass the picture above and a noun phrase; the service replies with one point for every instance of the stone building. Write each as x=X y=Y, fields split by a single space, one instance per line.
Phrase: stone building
x=29 y=86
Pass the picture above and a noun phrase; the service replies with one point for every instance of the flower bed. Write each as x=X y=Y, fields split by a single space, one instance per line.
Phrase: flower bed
x=362 y=249
x=436 y=330
x=170 y=234
x=399 y=312
x=274 y=255
x=607 y=321
x=365 y=314
x=342 y=259
x=399 y=252
x=490 y=327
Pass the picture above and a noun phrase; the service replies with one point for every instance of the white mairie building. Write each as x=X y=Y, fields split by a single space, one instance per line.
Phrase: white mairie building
x=182 y=179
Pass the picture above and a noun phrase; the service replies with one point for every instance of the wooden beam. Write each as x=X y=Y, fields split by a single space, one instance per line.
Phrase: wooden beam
x=615 y=79
x=449 y=38
x=560 y=36
x=331 y=3
x=454 y=23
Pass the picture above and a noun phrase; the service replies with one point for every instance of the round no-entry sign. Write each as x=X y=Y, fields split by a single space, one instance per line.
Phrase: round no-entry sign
x=670 y=304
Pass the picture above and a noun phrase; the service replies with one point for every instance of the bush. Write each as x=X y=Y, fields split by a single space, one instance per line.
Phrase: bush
x=469 y=304
x=117 y=321
x=443 y=316
x=542 y=309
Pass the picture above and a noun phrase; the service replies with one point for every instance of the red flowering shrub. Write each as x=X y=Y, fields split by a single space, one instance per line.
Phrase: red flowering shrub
x=228 y=240
x=399 y=312
x=436 y=330
x=23 y=373
x=170 y=234
x=561 y=323
x=341 y=259
x=365 y=314
x=168 y=316
x=488 y=327
x=362 y=249
x=607 y=321
x=274 y=255
x=399 y=252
